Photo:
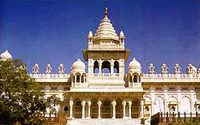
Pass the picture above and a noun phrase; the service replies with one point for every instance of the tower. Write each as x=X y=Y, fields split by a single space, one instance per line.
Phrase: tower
x=106 y=53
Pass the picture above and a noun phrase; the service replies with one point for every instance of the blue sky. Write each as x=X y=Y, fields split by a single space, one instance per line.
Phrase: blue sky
x=55 y=31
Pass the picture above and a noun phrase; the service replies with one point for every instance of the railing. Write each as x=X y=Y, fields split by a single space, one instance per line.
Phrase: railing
x=49 y=75
x=169 y=76
x=104 y=74
x=175 y=118
x=106 y=47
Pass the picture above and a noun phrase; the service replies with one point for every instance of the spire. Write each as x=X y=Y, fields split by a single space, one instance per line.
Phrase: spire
x=105 y=12
x=105 y=29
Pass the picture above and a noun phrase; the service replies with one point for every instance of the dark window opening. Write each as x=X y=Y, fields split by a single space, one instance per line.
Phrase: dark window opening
x=106 y=67
x=96 y=67
x=116 y=67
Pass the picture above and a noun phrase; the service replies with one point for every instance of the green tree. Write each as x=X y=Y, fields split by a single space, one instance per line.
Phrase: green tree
x=21 y=101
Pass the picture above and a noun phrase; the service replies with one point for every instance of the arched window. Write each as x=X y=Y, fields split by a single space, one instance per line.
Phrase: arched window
x=106 y=67
x=82 y=79
x=131 y=79
x=66 y=110
x=73 y=79
x=135 y=79
x=158 y=105
x=185 y=105
x=96 y=67
x=78 y=78
x=116 y=67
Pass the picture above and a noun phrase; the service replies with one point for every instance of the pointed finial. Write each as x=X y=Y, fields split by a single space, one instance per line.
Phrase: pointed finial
x=121 y=34
x=90 y=35
x=106 y=11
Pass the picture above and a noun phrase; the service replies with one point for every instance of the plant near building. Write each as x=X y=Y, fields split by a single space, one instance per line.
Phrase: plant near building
x=21 y=101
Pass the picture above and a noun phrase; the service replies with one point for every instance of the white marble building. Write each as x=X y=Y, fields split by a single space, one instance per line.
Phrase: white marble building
x=106 y=94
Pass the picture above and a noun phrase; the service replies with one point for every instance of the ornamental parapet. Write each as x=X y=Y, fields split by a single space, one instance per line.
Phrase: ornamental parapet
x=170 y=78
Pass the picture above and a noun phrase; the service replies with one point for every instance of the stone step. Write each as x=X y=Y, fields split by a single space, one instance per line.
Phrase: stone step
x=104 y=122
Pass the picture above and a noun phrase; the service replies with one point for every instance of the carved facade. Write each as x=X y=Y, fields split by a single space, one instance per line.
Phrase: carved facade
x=107 y=94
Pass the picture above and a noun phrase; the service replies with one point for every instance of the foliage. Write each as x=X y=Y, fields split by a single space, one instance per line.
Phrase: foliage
x=21 y=101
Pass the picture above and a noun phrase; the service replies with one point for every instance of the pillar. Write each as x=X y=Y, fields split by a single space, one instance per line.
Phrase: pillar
x=124 y=109
x=142 y=108
x=83 y=109
x=71 y=108
x=112 y=67
x=114 y=110
x=99 y=109
x=75 y=78
x=89 y=105
x=100 y=66
x=129 y=104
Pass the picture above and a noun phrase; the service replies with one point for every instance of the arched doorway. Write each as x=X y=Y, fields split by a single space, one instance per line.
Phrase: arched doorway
x=77 y=109
x=94 y=109
x=106 y=109
x=135 y=110
x=119 y=109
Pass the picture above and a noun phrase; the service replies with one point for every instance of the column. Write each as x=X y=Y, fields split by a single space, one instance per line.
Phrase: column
x=114 y=111
x=89 y=105
x=166 y=98
x=142 y=108
x=124 y=109
x=99 y=109
x=75 y=78
x=129 y=104
x=83 y=109
x=152 y=100
x=112 y=67
x=71 y=108
x=100 y=66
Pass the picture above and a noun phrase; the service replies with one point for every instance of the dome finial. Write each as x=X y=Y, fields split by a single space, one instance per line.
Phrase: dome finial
x=105 y=12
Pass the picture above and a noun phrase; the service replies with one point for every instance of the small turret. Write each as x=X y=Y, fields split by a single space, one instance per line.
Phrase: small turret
x=121 y=37
x=90 y=35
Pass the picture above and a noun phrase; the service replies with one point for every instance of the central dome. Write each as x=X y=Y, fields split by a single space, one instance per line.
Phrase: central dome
x=105 y=29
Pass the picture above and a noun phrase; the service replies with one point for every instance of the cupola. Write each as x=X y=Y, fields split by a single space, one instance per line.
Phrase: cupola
x=134 y=66
x=78 y=66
